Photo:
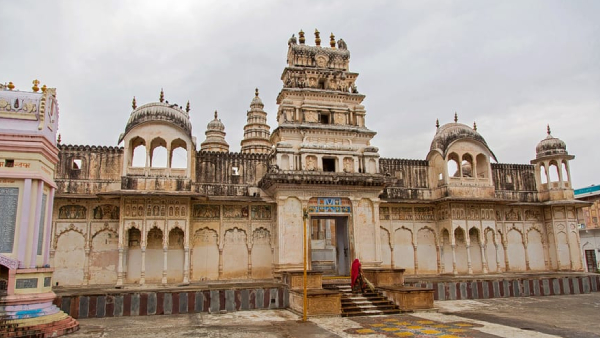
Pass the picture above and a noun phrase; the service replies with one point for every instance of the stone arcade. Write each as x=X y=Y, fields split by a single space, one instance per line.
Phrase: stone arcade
x=121 y=217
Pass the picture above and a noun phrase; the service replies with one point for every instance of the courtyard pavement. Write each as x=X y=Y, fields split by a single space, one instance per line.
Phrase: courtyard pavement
x=572 y=316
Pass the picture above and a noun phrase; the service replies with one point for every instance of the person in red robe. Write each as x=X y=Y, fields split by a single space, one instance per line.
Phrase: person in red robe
x=356 y=275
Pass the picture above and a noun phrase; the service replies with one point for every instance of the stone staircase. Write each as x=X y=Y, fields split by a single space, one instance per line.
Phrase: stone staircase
x=363 y=304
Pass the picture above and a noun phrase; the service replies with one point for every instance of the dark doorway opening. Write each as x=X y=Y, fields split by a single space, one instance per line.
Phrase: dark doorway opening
x=329 y=164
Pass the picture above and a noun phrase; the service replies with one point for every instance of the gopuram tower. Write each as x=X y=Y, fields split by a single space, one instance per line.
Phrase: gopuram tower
x=324 y=170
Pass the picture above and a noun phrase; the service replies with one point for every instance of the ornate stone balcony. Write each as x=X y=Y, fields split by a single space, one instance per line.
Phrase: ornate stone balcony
x=319 y=177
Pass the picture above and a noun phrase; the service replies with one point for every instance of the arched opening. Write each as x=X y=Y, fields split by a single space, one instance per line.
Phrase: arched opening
x=138 y=152
x=543 y=174
x=134 y=255
x=460 y=250
x=453 y=165
x=179 y=154
x=154 y=255
x=565 y=172
x=553 y=172
x=175 y=256
x=158 y=153
x=466 y=165
x=475 y=250
x=482 y=166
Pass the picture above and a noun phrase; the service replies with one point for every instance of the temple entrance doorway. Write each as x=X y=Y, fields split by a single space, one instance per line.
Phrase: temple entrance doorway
x=329 y=245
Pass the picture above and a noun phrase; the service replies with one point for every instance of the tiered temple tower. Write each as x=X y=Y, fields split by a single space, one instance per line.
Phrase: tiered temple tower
x=321 y=119
x=215 y=136
x=256 y=131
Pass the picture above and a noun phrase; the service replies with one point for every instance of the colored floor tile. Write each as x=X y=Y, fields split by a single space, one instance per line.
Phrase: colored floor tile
x=409 y=326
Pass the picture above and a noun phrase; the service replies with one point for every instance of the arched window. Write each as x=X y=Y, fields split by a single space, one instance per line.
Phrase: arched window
x=138 y=152
x=543 y=175
x=158 y=153
x=179 y=154
x=467 y=165
x=453 y=165
x=553 y=172
x=565 y=172
x=482 y=166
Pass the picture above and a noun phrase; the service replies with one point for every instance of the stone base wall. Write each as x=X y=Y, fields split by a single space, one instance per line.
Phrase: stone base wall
x=136 y=303
x=502 y=288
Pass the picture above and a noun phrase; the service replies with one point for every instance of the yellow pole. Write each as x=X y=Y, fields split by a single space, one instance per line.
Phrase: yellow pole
x=305 y=299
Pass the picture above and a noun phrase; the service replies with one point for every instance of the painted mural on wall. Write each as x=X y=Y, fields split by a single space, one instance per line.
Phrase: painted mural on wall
x=329 y=205
x=206 y=211
x=106 y=211
x=72 y=212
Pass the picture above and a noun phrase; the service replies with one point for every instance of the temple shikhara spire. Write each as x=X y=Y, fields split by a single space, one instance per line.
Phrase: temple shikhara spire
x=161 y=209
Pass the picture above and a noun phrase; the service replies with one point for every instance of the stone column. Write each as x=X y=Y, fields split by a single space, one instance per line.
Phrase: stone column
x=498 y=267
x=120 y=266
x=392 y=263
x=416 y=258
x=484 y=263
x=48 y=227
x=220 y=262
x=547 y=260
x=165 y=264
x=377 y=233
x=440 y=264
x=469 y=263
x=86 y=264
x=527 y=267
x=454 y=270
x=441 y=255
x=36 y=225
x=186 y=265
x=506 y=261
x=24 y=224
x=143 y=267
x=249 y=262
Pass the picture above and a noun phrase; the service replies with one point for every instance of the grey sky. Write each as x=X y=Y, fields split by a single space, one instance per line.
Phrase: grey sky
x=511 y=66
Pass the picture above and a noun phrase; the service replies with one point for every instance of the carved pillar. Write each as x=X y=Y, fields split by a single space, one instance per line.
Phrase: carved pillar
x=440 y=265
x=186 y=265
x=165 y=264
x=484 y=263
x=249 y=262
x=143 y=267
x=220 y=262
x=454 y=270
x=377 y=232
x=547 y=260
x=48 y=229
x=441 y=257
x=469 y=263
x=191 y=266
x=498 y=267
x=86 y=265
x=392 y=263
x=24 y=225
x=120 y=266
x=506 y=262
x=527 y=267
x=416 y=260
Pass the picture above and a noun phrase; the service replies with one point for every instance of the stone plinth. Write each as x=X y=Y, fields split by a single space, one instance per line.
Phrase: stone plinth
x=295 y=280
x=320 y=302
x=385 y=277
x=409 y=298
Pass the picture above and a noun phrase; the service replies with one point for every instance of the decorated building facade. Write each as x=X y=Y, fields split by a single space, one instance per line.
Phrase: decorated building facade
x=121 y=217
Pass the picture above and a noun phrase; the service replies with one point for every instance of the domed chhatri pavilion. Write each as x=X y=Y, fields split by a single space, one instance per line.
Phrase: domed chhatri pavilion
x=156 y=210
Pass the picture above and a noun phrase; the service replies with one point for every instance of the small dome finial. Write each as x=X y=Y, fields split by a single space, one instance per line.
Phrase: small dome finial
x=301 y=39
x=162 y=96
x=256 y=92
x=58 y=139
x=11 y=86
x=187 y=107
x=35 y=85
x=44 y=88
x=455 y=117
x=216 y=114
x=474 y=126
x=332 y=40
x=437 y=123
x=133 y=103
x=317 y=38
x=548 y=128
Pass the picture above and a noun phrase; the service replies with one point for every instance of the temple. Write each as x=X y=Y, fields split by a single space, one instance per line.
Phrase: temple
x=156 y=210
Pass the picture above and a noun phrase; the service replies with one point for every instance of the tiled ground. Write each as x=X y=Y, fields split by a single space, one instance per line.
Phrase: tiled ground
x=409 y=326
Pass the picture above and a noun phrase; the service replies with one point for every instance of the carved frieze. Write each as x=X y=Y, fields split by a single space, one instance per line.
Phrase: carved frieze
x=72 y=212
x=512 y=214
x=206 y=211
x=402 y=213
x=424 y=214
x=106 y=211
x=473 y=212
x=235 y=211
x=384 y=213
x=261 y=212
x=533 y=215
